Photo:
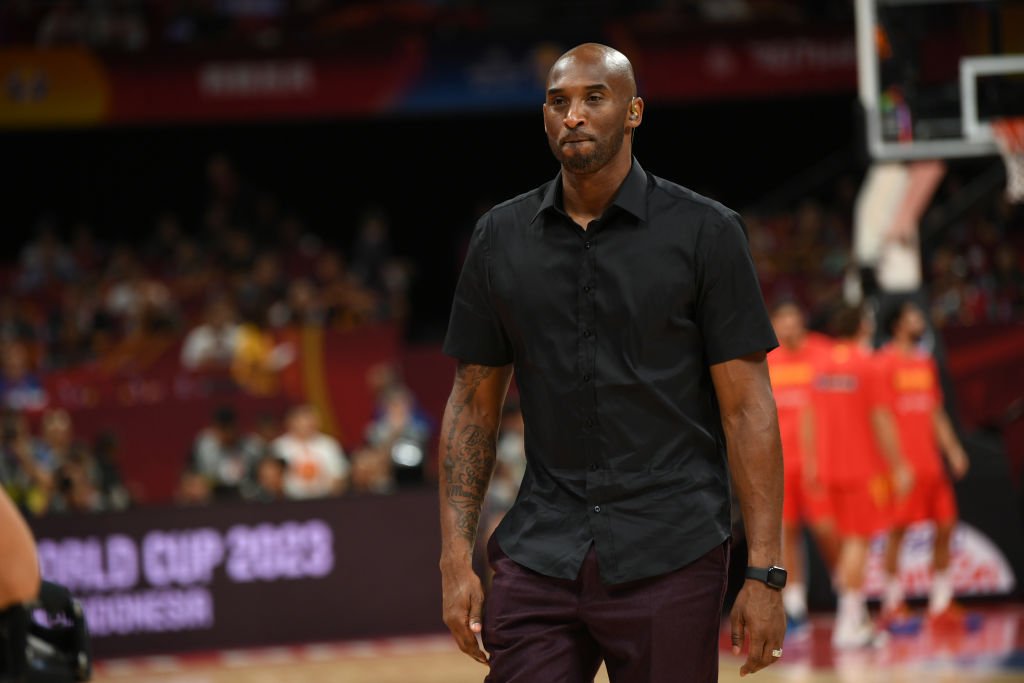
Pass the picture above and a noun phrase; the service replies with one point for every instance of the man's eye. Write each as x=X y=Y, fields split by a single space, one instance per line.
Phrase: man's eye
x=595 y=98
x=557 y=101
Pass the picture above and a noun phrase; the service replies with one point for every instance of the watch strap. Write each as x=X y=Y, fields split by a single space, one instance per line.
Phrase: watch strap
x=769 y=576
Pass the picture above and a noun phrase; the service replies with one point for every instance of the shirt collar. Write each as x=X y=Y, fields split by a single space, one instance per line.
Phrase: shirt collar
x=631 y=195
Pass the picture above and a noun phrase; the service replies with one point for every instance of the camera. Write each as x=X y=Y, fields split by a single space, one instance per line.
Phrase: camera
x=46 y=641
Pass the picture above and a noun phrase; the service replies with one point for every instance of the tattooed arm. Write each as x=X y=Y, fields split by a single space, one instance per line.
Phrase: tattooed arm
x=467 y=449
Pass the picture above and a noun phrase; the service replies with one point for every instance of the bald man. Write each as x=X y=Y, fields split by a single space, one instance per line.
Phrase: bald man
x=628 y=309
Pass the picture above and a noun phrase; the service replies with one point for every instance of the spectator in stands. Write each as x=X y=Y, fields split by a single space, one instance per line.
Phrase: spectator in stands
x=266 y=429
x=346 y=302
x=78 y=328
x=45 y=262
x=376 y=266
x=1008 y=282
x=77 y=486
x=259 y=358
x=399 y=435
x=372 y=472
x=20 y=387
x=66 y=470
x=270 y=479
x=317 y=466
x=263 y=285
x=372 y=250
x=14 y=324
x=302 y=306
x=193 y=489
x=298 y=246
x=192 y=274
x=225 y=457
x=28 y=480
x=212 y=345
x=56 y=440
x=107 y=474
x=142 y=304
x=237 y=254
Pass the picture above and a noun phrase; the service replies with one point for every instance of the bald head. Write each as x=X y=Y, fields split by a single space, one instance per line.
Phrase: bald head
x=598 y=58
x=591 y=110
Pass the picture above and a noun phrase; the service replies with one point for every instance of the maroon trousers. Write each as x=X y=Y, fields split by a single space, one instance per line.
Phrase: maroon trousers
x=664 y=629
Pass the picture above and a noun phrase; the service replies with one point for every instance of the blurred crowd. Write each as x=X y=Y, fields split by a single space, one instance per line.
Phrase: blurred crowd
x=976 y=274
x=134 y=25
x=248 y=269
x=973 y=268
x=298 y=460
x=804 y=254
x=222 y=286
x=50 y=470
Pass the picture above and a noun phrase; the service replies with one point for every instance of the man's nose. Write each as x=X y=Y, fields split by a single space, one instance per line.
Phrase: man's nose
x=573 y=117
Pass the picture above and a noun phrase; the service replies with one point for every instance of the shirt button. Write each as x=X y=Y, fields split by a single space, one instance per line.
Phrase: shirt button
x=586 y=378
x=589 y=422
x=587 y=333
x=594 y=467
x=586 y=245
x=597 y=508
x=587 y=288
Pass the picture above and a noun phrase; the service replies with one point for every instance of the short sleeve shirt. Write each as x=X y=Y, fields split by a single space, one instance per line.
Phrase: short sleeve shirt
x=612 y=330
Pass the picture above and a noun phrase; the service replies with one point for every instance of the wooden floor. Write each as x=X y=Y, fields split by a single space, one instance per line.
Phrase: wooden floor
x=453 y=667
x=995 y=654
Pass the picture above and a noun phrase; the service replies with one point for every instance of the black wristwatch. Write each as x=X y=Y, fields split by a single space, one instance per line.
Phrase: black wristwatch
x=773 y=577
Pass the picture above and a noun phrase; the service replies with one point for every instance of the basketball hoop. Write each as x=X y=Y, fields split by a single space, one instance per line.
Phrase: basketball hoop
x=1009 y=135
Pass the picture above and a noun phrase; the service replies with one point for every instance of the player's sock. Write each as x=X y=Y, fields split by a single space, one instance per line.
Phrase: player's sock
x=941 y=594
x=852 y=610
x=794 y=600
x=894 y=595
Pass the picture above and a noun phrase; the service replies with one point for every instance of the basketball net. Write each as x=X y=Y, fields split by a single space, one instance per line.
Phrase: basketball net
x=1009 y=135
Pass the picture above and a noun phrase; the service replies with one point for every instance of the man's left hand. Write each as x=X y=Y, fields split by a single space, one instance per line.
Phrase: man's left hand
x=758 y=613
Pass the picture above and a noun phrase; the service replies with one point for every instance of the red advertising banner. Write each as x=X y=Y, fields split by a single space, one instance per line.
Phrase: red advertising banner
x=399 y=74
x=749 y=67
x=256 y=88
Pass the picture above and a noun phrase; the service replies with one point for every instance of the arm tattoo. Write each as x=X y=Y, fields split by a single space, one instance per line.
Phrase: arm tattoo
x=469 y=457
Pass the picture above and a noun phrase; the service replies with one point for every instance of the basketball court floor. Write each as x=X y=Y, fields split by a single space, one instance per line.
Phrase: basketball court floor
x=992 y=653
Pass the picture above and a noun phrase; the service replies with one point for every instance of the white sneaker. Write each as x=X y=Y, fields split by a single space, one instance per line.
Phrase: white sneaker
x=857 y=635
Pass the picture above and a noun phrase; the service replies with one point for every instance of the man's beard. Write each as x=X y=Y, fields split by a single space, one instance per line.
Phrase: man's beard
x=604 y=151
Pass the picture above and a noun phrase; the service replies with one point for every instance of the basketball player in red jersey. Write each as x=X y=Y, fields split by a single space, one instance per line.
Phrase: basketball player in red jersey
x=857 y=456
x=911 y=388
x=793 y=367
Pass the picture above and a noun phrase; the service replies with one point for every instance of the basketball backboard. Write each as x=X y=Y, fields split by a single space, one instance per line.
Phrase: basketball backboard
x=934 y=73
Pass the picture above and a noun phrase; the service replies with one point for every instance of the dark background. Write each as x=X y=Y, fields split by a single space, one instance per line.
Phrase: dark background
x=431 y=174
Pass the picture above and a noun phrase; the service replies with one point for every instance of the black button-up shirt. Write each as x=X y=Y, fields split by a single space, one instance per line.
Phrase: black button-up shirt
x=612 y=331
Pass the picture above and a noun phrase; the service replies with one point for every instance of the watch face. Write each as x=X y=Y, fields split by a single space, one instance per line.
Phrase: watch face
x=777 y=577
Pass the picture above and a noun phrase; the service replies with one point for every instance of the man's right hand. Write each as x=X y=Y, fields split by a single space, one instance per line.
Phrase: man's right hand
x=463 y=601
